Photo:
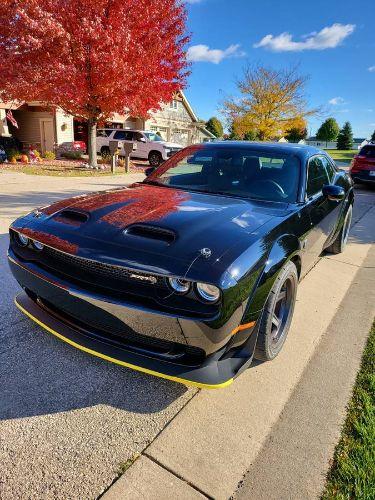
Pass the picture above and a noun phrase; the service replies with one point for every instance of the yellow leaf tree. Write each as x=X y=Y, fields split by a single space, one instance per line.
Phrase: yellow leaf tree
x=271 y=103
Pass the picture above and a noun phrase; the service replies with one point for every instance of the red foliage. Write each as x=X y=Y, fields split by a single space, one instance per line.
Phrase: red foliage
x=93 y=57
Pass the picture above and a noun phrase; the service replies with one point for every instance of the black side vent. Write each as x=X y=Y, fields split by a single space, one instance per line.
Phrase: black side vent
x=151 y=232
x=72 y=217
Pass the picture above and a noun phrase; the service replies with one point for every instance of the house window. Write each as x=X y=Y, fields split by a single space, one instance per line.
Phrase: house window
x=173 y=104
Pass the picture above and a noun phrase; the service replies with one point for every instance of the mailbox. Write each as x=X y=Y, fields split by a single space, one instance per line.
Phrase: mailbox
x=128 y=148
x=114 y=146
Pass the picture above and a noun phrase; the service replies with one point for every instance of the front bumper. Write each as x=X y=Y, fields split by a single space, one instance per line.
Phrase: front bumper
x=55 y=306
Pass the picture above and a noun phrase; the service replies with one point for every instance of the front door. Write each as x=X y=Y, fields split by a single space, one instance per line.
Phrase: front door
x=323 y=212
x=47 y=135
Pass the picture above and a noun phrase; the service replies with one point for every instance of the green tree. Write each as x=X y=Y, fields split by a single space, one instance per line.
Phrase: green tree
x=373 y=136
x=345 y=137
x=296 y=134
x=328 y=131
x=215 y=126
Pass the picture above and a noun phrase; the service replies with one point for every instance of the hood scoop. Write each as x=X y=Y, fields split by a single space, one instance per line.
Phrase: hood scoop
x=151 y=232
x=71 y=217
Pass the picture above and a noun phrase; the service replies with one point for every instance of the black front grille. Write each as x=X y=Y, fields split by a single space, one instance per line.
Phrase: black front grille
x=93 y=271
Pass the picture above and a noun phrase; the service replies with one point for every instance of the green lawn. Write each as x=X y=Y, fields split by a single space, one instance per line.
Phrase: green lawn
x=340 y=155
x=352 y=475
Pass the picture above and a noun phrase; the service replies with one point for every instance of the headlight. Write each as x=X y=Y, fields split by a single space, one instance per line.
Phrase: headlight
x=38 y=246
x=179 y=285
x=209 y=293
x=22 y=239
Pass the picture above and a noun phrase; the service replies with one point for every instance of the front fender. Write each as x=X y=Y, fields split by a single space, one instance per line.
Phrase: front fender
x=285 y=248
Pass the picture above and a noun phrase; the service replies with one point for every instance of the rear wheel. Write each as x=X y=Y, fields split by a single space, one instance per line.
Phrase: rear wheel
x=341 y=240
x=155 y=158
x=277 y=314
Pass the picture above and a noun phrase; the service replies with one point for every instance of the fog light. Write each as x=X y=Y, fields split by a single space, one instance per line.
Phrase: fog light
x=22 y=239
x=38 y=246
x=179 y=285
x=209 y=293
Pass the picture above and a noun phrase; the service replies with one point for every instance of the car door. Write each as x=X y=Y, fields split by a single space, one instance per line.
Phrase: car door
x=323 y=213
x=142 y=145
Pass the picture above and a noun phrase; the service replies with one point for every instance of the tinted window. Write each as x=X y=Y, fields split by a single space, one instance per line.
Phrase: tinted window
x=329 y=167
x=317 y=176
x=119 y=135
x=242 y=172
x=368 y=151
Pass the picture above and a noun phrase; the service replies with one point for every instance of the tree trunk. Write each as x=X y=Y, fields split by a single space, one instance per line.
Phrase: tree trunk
x=93 y=157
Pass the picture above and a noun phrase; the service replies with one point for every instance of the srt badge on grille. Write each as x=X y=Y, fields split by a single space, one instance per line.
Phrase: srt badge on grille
x=140 y=277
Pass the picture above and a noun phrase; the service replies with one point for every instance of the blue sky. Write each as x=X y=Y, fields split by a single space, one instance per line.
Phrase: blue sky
x=332 y=41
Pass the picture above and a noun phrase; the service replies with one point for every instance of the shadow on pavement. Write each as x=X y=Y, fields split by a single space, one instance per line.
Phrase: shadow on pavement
x=42 y=375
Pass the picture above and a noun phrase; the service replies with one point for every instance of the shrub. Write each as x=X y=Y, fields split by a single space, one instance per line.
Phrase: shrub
x=72 y=155
x=13 y=154
x=49 y=155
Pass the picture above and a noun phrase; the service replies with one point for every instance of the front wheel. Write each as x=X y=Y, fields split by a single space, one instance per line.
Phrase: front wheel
x=277 y=314
x=341 y=240
x=155 y=159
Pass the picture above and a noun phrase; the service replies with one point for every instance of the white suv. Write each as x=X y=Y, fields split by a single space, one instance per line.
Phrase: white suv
x=148 y=145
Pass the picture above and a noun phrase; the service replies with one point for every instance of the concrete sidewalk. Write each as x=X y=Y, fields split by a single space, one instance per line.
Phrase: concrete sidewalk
x=209 y=446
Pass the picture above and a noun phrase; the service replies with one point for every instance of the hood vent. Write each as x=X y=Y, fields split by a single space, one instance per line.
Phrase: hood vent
x=73 y=217
x=151 y=232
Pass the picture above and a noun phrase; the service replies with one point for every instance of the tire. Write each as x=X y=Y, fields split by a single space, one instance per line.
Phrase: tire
x=104 y=151
x=155 y=158
x=277 y=314
x=341 y=240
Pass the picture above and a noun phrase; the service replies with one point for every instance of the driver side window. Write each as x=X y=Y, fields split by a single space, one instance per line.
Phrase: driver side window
x=317 y=176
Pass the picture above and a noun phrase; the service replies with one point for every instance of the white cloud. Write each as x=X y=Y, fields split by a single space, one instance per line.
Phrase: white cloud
x=337 y=101
x=327 y=38
x=372 y=69
x=202 y=53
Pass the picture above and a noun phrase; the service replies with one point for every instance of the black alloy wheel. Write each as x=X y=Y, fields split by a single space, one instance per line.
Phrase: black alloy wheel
x=277 y=314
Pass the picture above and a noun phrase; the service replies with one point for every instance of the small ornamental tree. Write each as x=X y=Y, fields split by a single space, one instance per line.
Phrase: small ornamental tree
x=328 y=131
x=215 y=126
x=296 y=134
x=93 y=57
x=345 y=137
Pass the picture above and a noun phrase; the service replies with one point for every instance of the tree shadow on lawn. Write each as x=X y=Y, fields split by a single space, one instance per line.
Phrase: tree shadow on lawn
x=40 y=374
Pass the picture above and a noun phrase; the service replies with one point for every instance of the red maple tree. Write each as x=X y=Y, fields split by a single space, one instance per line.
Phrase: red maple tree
x=93 y=57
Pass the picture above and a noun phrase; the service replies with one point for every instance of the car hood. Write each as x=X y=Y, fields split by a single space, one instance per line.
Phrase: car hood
x=151 y=228
x=172 y=145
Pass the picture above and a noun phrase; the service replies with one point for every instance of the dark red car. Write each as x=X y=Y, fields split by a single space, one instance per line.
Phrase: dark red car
x=362 y=168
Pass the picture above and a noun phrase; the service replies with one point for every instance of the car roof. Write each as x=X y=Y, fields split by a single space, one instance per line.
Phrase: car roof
x=301 y=150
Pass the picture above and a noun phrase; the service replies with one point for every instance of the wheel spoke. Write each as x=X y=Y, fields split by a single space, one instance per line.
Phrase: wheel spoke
x=281 y=296
x=275 y=320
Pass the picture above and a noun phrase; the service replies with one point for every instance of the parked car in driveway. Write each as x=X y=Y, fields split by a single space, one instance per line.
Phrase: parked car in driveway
x=147 y=145
x=362 y=168
x=191 y=273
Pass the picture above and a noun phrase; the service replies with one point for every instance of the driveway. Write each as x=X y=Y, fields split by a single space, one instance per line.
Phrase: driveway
x=70 y=422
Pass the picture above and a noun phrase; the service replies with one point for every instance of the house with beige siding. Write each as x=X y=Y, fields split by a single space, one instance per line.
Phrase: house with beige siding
x=47 y=128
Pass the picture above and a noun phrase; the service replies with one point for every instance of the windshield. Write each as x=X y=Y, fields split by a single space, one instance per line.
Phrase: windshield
x=152 y=136
x=242 y=172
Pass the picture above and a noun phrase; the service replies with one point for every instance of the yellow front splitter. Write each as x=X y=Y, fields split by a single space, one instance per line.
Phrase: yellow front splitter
x=73 y=337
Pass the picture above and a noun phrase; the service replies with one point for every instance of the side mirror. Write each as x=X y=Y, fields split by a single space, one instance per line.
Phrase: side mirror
x=141 y=139
x=333 y=193
x=149 y=171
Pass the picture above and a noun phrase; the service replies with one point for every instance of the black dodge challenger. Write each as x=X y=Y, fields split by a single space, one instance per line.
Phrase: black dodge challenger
x=191 y=273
